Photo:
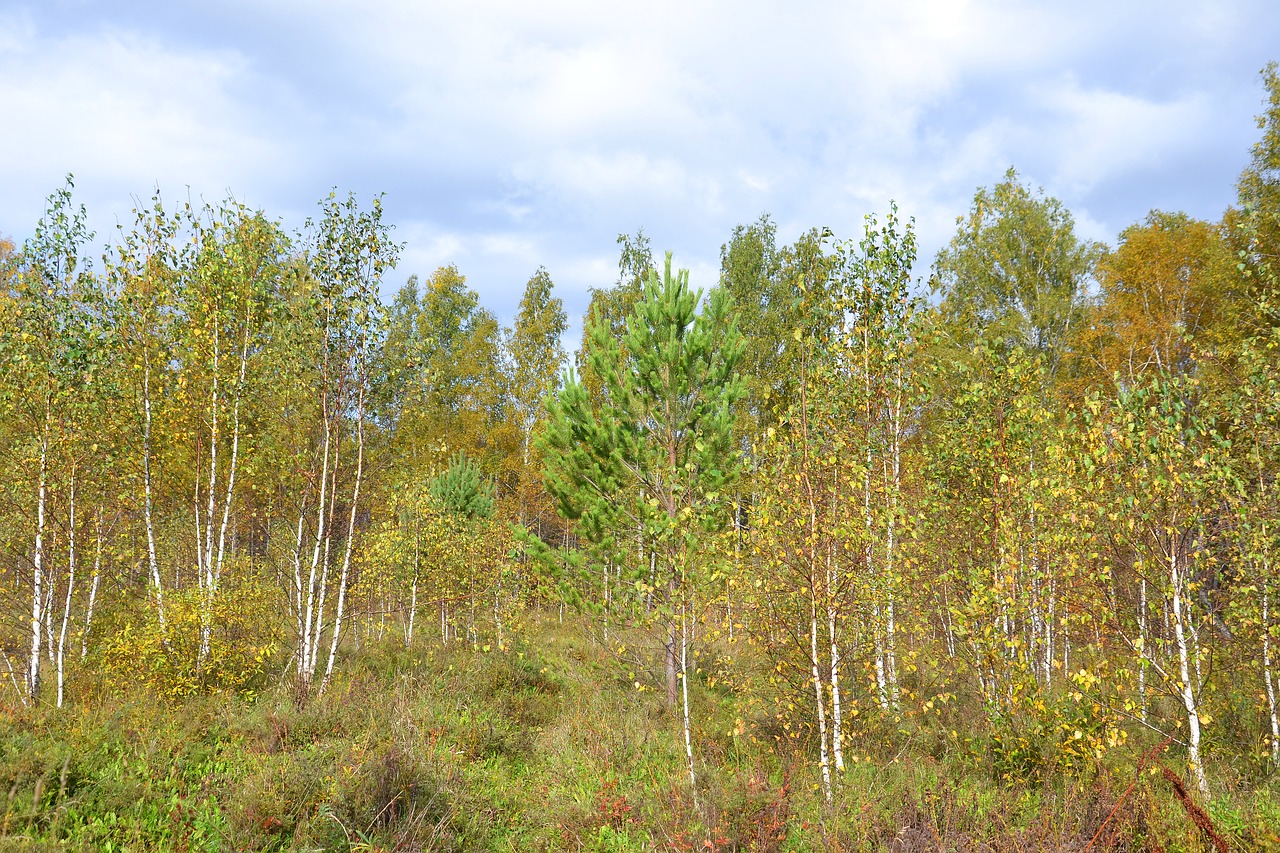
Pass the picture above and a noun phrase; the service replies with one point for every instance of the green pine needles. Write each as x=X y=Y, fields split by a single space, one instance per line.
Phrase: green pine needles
x=654 y=447
x=461 y=489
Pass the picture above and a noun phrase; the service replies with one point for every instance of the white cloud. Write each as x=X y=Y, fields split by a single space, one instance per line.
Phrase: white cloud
x=1103 y=133
x=127 y=114
x=510 y=134
x=426 y=249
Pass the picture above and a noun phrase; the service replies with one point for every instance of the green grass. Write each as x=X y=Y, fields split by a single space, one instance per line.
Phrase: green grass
x=547 y=745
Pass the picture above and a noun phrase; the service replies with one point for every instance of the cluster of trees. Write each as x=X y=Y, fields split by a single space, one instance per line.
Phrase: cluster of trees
x=1034 y=516
x=1038 y=509
x=221 y=422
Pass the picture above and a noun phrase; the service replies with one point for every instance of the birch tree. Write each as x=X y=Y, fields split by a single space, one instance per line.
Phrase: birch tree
x=144 y=269
x=536 y=357
x=50 y=353
x=883 y=327
x=348 y=250
x=228 y=302
x=1168 y=461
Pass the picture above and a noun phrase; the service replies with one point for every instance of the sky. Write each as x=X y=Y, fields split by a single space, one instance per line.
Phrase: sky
x=512 y=135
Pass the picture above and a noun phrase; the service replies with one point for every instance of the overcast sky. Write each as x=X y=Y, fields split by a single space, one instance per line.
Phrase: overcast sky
x=508 y=135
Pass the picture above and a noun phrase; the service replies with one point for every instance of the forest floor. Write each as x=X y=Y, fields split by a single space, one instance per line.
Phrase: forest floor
x=544 y=745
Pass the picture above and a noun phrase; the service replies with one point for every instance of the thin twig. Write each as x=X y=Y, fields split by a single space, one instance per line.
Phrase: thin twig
x=1149 y=756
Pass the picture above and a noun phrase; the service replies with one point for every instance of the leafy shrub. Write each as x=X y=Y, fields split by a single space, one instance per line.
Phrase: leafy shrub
x=244 y=636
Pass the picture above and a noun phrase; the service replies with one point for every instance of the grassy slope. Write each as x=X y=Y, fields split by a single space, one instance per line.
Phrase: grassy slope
x=546 y=746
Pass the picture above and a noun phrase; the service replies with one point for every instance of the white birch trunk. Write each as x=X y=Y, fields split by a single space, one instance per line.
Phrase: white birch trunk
x=13 y=679
x=1048 y=633
x=882 y=688
x=148 y=515
x=235 y=454
x=326 y=562
x=837 y=712
x=891 y=586
x=351 y=528
x=310 y=626
x=207 y=581
x=37 y=575
x=413 y=594
x=819 y=701
x=93 y=585
x=413 y=610
x=1143 y=640
x=71 y=583
x=295 y=598
x=684 y=685
x=50 y=586
x=1266 y=673
x=1184 y=670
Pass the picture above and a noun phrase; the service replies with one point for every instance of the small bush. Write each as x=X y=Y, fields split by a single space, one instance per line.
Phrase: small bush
x=242 y=622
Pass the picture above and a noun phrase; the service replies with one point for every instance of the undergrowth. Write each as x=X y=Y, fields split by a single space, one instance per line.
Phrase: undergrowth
x=550 y=744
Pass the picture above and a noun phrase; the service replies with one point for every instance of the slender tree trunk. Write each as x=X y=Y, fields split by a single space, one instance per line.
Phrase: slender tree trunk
x=93 y=585
x=351 y=528
x=13 y=679
x=37 y=562
x=207 y=581
x=882 y=687
x=1143 y=640
x=890 y=552
x=1176 y=572
x=837 y=712
x=310 y=625
x=672 y=684
x=1266 y=671
x=684 y=686
x=413 y=595
x=215 y=574
x=71 y=583
x=326 y=561
x=50 y=587
x=819 y=700
x=837 y=718
x=148 y=513
x=296 y=598
x=196 y=522
x=1048 y=632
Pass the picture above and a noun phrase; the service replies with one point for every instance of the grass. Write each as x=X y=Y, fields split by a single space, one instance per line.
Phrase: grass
x=546 y=745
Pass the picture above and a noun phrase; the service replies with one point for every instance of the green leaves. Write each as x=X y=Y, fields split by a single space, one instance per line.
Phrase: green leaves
x=1015 y=271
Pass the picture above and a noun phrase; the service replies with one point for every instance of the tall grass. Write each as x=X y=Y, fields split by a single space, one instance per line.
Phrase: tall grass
x=553 y=743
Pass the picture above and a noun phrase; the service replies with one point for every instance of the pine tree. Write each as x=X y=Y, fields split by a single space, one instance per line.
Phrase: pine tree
x=653 y=451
